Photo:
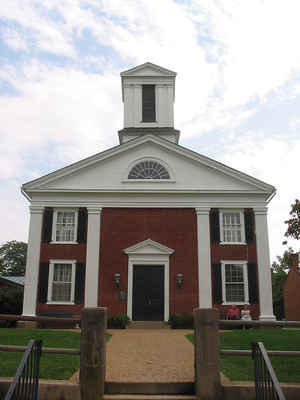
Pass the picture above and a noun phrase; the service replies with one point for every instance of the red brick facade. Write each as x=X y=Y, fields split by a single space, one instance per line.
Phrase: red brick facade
x=235 y=252
x=174 y=228
x=124 y=227
x=61 y=252
x=291 y=292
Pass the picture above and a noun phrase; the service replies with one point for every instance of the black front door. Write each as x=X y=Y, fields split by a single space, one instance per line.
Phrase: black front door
x=148 y=293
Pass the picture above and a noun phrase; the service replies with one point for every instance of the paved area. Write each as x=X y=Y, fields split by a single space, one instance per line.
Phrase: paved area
x=157 y=355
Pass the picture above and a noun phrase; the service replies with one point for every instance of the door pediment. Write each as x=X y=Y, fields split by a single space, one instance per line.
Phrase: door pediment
x=148 y=246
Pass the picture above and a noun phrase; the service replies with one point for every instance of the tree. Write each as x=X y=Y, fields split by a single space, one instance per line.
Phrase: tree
x=293 y=229
x=13 y=258
x=279 y=273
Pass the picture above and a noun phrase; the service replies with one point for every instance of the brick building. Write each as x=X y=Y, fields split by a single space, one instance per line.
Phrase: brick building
x=149 y=227
x=291 y=291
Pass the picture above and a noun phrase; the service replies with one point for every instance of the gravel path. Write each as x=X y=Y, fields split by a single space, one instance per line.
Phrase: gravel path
x=160 y=355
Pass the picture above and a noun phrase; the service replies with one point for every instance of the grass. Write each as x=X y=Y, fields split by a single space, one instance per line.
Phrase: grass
x=241 y=368
x=53 y=366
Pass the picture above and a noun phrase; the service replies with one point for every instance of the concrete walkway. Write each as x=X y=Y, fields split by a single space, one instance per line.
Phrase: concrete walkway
x=152 y=355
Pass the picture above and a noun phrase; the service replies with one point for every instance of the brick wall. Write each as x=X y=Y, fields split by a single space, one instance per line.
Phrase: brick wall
x=121 y=228
x=291 y=292
x=61 y=252
x=174 y=228
x=243 y=252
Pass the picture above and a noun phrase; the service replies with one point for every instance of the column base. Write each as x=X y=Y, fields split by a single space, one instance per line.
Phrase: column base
x=267 y=318
x=27 y=324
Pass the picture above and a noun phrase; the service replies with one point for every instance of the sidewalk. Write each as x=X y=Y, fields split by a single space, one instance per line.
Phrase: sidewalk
x=157 y=355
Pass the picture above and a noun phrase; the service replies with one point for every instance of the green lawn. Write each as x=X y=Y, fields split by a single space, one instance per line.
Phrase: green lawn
x=53 y=366
x=241 y=368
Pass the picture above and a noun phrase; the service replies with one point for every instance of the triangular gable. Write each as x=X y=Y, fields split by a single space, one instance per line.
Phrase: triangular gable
x=148 y=69
x=90 y=163
x=148 y=246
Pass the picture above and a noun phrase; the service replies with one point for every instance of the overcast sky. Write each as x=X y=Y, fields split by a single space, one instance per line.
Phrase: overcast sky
x=237 y=89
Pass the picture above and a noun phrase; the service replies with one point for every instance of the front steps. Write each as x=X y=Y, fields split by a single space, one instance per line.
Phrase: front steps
x=150 y=388
x=148 y=325
x=148 y=397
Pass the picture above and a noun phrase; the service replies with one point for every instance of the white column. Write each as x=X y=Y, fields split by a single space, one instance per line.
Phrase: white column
x=204 y=262
x=264 y=265
x=33 y=260
x=137 y=106
x=92 y=257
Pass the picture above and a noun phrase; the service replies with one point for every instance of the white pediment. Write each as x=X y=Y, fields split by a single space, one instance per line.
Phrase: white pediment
x=148 y=246
x=148 y=69
x=108 y=171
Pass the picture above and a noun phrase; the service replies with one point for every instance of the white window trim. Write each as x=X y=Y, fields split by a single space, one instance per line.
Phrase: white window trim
x=50 y=281
x=149 y=158
x=221 y=212
x=56 y=210
x=245 y=276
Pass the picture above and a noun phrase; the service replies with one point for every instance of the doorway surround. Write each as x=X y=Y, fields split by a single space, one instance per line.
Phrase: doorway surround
x=149 y=253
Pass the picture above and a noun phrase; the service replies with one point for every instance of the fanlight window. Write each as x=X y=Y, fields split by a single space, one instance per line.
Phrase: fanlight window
x=148 y=170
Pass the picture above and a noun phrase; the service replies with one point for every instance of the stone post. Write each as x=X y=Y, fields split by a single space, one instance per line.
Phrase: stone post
x=207 y=354
x=92 y=353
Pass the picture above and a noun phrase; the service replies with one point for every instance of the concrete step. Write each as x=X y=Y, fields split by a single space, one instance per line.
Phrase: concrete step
x=149 y=388
x=148 y=397
x=148 y=325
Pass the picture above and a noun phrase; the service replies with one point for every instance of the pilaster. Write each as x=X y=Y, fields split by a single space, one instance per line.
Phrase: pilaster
x=33 y=260
x=92 y=257
x=204 y=260
x=264 y=265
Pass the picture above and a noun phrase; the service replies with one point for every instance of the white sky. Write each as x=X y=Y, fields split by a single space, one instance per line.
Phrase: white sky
x=237 y=89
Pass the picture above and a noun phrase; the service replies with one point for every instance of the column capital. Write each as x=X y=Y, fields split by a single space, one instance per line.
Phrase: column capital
x=202 y=210
x=94 y=210
x=36 y=209
x=260 y=210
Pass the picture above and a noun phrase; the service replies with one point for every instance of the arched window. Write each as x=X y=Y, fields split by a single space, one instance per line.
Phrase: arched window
x=148 y=170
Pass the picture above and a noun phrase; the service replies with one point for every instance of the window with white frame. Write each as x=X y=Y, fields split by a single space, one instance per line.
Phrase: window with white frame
x=61 y=284
x=232 y=229
x=235 y=282
x=64 y=226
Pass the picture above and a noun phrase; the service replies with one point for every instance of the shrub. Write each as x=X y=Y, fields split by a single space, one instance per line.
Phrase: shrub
x=185 y=321
x=11 y=301
x=118 y=321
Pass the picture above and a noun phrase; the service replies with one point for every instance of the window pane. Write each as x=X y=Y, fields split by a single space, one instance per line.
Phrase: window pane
x=61 y=291
x=62 y=282
x=148 y=103
x=234 y=283
x=148 y=170
x=65 y=226
x=235 y=293
x=234 y=273
x=232 y=229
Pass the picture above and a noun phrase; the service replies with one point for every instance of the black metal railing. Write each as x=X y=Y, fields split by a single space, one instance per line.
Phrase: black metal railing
x=266 y=383
x=26 y=381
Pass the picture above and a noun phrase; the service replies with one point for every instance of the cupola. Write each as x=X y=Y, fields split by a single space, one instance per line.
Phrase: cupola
x=148 y=94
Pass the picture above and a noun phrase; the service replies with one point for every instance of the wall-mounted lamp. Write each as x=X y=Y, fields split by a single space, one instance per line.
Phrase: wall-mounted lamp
x=179 y=280
x=117 y=278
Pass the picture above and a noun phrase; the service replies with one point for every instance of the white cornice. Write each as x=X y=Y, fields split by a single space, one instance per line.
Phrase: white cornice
x=148 y=190
x=155 y=203
x=154 y=67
